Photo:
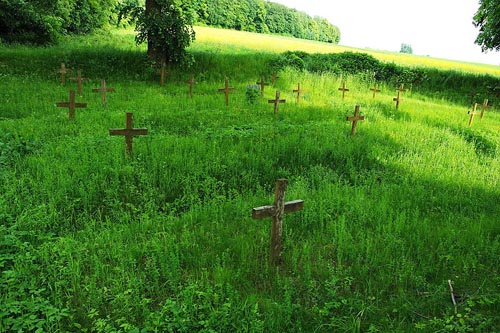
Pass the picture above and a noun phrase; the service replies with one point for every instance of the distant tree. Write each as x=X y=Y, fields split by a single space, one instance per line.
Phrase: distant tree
x=406 y=48
x=487 y=19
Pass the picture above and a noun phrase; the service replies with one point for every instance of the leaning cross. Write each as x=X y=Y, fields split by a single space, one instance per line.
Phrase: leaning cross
x=355 y=120
x=277 y=211
x=399 y=99
x=276 y=101
x=472 y=114
x=375 y=90
x=191 y=83
x=63 y=70
x=79 y=79
x=343 y=89
x=71 y=105
x=298 y=91
x=226 y=91
x=485 y=107
x=103 y=90
x=128 y=132
x=263 y=84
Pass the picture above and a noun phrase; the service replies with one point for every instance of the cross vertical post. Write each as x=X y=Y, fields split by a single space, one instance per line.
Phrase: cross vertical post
x=128 y=132
x=226 y=91
x=276 y=101
x=298 y=91
x=103 y=90
x=262 y=84
x=343 y=89
x=485 y=107
x=191 y=83
x=399 y=99
x=375 y=90
x=79 y=80
x=274 y=77
x=472 y=113
x=355 y=120
x=277 y=211
x=63 y=70
x=71 y=105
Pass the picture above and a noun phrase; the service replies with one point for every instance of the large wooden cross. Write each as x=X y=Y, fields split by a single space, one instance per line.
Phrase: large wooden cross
x=277 y=211
x=103 y=90
x=63 y=70
x=276 y=101
x=399 y=99
x=71 y=105
x=79 y=80
x=355 y=120
x=375 y=90
x=298 y=91
x=226 y=90
x=472 y=113
x=191 y=83
x=343 y=89
x=484 y=107
x=262 y=84
x=128 y=132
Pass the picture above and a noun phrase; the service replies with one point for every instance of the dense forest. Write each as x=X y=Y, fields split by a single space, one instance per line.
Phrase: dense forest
x=45 y=21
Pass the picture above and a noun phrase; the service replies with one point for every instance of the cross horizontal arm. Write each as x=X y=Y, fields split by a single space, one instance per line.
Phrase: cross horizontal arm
x=127 y=131
x=269 y=211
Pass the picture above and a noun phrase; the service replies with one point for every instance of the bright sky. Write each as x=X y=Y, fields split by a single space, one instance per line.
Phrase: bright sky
x=438 y=28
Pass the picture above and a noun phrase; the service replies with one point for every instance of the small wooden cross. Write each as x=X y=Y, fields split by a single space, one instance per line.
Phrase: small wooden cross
x=375 y=90
x=163 y=72
x=262 y=84
x=103 y=90
x=71 y=105
x=472 y=113
x=128 y=132
x=399 y=99
x=191 y=83
x=485 y=107
x=343 y=89
x=79 y=80
x=298 y=91
x=277 y=101
x=63 y=70
x=274 y=77
x=277 y=211
x=226 y=91
x=355 y=120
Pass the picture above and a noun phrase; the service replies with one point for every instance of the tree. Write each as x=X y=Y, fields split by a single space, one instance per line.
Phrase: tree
x=406 y=48
x=487 y=19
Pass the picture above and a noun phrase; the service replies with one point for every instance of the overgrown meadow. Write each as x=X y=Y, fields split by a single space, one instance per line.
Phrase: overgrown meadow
x=94 y=240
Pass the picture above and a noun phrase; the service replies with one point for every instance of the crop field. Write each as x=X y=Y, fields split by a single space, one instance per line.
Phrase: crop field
x=400 y=229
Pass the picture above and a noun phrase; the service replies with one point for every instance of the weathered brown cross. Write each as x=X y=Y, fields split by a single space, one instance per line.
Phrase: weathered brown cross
x=343 y=89
x=276 y=101
x=399 y=99
x=79 y=80
x=355 y=120
x=191 y=83
x=163 y=72
x=472 y=113
x=277 y=211
x=128 y=132
x=63 y=70
x=71 y=105
x=485 y=107
x=226 y=90
x=262 y=84
x=274 y=77
x=375 y=90
x=103 y=90
x=298 y=91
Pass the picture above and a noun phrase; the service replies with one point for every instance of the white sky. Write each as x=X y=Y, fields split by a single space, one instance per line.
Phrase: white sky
x=438 y=28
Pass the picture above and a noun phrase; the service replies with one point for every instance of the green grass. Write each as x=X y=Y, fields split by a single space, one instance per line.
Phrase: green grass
x=94 y=241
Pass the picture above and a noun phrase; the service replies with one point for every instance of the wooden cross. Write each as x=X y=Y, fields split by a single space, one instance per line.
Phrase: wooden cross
x=63 y=70
x=485 y=107
x=343 y=89
x=298 y=91
x=226 y=91
x=472 y=113
x=277 y=101
x=277 y=211
x=355 y=120
x=191 y=82
x=262 y=84
x=128 y=132
x=274 y=77
x=79 y=79
x=375 y=90
x=71 y=105
x=163 y=72
x=103 y=90
x=399 y=99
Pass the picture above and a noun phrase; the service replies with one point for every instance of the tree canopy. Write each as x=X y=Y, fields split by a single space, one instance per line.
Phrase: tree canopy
x=487 y=19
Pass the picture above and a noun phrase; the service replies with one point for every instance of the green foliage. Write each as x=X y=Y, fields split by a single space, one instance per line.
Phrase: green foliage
x=406 y=48
x=252 y=93
x=487 y=19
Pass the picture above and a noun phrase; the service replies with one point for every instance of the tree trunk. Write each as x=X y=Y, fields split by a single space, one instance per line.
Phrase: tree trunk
x=151 y=7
